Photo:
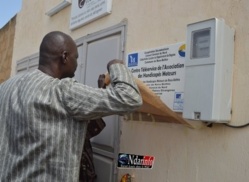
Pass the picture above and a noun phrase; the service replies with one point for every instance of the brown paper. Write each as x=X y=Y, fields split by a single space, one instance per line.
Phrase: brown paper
x=152 y=104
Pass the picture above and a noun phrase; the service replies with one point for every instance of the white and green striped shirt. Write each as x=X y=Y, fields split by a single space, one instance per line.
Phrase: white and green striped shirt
x=42 y=122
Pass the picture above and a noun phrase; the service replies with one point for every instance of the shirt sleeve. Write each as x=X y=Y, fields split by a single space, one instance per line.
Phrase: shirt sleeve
x=84 y=102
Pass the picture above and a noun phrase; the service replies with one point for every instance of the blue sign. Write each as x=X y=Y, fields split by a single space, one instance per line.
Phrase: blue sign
x=132 y=60
x=178 y=101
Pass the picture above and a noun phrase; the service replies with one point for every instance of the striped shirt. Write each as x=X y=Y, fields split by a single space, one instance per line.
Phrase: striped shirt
x=43 y=122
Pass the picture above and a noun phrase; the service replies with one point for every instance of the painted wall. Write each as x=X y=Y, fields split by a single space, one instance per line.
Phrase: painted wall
x=217 y=154
x=7 y=34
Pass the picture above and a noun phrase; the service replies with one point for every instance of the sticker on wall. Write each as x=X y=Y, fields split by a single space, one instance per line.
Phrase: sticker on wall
x=162 y=69
x=135 y=161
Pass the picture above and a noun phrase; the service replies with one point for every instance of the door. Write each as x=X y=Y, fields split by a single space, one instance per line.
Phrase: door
x=98 y=50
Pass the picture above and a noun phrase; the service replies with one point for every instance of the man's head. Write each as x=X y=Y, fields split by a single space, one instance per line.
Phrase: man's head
x=58 y=55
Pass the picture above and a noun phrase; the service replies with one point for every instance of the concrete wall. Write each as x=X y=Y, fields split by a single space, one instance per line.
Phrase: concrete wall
x=6 y=48
x=216 y=154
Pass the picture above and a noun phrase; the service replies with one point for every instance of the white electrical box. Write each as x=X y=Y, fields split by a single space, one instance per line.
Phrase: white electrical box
x=208 y=71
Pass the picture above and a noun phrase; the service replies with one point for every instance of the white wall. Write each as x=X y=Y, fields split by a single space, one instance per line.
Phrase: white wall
x=217 y=154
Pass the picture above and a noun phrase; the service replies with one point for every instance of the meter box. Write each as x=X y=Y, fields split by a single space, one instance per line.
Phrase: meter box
x=208 y=71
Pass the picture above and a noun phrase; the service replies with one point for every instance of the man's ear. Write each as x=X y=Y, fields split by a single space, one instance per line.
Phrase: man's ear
x=64 y=56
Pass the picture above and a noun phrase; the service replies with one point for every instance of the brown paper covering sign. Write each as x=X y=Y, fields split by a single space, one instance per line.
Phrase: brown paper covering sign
x=152 y=104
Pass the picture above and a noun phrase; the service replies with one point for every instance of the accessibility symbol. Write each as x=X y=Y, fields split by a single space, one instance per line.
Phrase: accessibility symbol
x=132 y=60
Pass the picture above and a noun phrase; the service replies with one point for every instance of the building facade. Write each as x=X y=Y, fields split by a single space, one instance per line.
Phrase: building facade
x=217 y=153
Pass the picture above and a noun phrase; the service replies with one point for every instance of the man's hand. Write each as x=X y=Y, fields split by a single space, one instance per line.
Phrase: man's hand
x=114 y=61
x=101 y=81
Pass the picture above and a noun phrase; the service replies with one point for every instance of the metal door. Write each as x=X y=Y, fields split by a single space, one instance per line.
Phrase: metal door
x=98 y=50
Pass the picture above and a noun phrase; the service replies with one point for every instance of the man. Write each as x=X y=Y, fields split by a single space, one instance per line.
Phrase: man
x=43 y=113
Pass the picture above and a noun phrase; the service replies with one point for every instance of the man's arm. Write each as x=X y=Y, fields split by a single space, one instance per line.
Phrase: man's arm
x=122 y=96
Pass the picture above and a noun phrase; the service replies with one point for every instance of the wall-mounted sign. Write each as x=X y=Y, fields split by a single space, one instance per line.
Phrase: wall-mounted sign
x=85 y=11
x=162 y=69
